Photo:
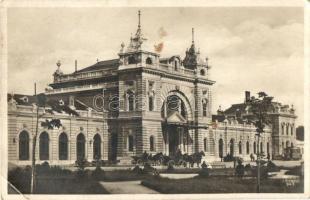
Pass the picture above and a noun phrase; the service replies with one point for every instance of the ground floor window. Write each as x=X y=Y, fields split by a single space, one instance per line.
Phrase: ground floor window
x=221 y=148
x=44 y=146
x=240 y=147
x=205 y=144
x=80 y=147
x=63 y=146
x=24 y=145
x=97 y=147
x=247 y=147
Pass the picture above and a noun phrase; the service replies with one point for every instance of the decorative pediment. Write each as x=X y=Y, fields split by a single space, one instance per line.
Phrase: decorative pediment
x=175 y=117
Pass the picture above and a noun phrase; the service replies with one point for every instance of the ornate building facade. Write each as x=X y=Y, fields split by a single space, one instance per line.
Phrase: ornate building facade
x=135 y=103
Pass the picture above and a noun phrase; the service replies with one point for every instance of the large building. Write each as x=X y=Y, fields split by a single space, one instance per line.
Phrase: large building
x=135 y=103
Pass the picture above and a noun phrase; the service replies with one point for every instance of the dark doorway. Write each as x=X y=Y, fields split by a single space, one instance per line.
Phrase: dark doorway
x=114 y=146
x=173 y=141
x=80 y=147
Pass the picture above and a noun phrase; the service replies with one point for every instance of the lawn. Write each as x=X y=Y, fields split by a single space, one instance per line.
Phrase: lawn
x=218 y=185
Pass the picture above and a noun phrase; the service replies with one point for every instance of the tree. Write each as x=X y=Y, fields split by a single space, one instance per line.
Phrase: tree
x=259 y=107
x=50 y=124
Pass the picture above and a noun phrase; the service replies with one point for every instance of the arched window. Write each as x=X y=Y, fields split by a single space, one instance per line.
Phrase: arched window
x=261 y=147
x=268 y=150
x=151 y=103
x=44 y=146
x=24 y=145
x=221 y=148
x=287 y=128
x=202 y=72
x=204 y=107
x=132 y=60
x=205 y=145
x=254 y=147
x=231 y=147
x=247 y=147
x=282 y=129
x=131 y=100
x=152 y=147
x=240 y=147
x=176 y=65
x=292 y=144
x=63 y=146
x=130 y=143
x=80 y=147
x=97 y=147
x=292 y=129
x=149 y=61
x=212 y=146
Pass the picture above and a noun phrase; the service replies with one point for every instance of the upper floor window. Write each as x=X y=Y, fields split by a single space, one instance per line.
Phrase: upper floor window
x=130 y=100
x=151 y=103
x=24 y=145
x=282 y=129
x=202 y=72
x=204 y=107
x=292 y=129
x=287 y=128
x=132 y=60
x=149 y=61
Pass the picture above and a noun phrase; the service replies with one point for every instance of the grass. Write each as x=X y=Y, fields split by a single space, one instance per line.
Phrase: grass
x=218 y=185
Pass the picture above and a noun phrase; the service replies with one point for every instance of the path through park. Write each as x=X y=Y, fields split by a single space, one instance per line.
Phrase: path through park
x=127 y=187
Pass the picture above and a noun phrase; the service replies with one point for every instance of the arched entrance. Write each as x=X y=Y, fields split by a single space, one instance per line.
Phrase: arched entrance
x=80 y=147
x=175 y=114
x=114 y=140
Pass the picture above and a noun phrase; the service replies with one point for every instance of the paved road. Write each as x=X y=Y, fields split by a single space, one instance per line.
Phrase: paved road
x=127 y=187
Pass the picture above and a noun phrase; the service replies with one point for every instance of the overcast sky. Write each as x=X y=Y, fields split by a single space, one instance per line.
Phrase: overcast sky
x=255 y=49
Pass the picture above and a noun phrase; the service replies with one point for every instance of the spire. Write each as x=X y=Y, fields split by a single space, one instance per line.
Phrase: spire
x=193 y=35
x=139 y=17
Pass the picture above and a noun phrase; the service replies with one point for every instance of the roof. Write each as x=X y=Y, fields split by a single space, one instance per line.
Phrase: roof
x=236 y=107
x=22 y=99
x=100 y=65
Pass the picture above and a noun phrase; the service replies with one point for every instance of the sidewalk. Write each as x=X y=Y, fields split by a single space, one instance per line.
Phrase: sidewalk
x=127 y=187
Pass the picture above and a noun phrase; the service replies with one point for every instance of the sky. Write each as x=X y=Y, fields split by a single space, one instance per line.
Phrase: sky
x=249 y=48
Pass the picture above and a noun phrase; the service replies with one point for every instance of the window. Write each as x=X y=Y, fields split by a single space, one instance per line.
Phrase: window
x=63 y=147
x=24 y=145
x=205 y=144
x=202 y=72
x=282 y=129
x=212 y=146
x=268 y=150
x=151 y=103
x=261 y=147
x=132 y=60
x=254 y=147
x=80 y=147
x=97 y=147
x=44 y=146
x=176 y=65
x=130 y=143
x=292 y=130
x=287 y=128
x=231 y=146
x=204 y=107
x=221 y=148
x=240 y=147
x=152 y=148
x=247 y=147
x=292 y=144
x=130 y=100
x=149 y=61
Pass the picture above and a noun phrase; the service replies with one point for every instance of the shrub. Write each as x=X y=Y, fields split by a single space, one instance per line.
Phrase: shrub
x=20 y=178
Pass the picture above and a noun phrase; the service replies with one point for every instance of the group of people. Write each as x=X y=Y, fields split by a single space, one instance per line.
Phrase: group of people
x=252 y=157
